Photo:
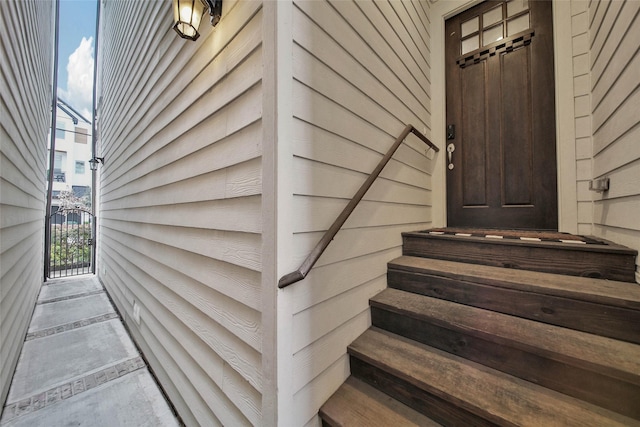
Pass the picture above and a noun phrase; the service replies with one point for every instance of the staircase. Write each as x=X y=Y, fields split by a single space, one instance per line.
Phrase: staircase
x=476 y=331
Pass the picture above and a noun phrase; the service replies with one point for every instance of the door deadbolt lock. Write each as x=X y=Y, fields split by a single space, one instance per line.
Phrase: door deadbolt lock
x=451 y=132
x=450 y=149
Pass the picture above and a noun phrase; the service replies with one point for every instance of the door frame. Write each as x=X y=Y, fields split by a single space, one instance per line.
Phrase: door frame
x=564 y=96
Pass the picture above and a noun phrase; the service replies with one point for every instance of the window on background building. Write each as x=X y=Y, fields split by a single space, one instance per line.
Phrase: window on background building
x=81 y=190
x=79 y=167
x=81 y=136
x=59 y=166
x=60 y=130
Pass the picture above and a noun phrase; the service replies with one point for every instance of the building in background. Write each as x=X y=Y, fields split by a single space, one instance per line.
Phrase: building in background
x=228 y=157
x=71 y=171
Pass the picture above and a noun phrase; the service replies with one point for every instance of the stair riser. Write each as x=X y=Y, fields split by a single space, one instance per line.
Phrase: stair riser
x=573 y=261
x=604 y=320
x=593 y=387
x=446 y=412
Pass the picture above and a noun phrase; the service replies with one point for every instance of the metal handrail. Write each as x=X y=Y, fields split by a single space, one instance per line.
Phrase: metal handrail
x=312 y=258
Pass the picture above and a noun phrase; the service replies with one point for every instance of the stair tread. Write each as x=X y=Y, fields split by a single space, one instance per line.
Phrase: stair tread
x=620 y=294
x=608 y=261
x=356 y=403
x=607 y=247
x=494 y=395
x=618 y=359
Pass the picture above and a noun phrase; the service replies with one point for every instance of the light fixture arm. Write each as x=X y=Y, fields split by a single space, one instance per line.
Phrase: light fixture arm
x=215 y=10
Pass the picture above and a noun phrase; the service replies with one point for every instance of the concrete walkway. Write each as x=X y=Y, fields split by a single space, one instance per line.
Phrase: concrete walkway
x=79 y=367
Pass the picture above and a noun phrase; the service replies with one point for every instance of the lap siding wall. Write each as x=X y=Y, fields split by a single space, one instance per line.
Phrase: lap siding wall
x=614 y=66
x=26 y=61
x=361 y=71
x=180 y=201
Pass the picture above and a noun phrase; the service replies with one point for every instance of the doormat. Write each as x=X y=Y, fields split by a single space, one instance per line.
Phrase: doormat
x=524 y=235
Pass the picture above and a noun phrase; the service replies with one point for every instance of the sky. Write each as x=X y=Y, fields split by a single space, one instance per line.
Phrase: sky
x=76 y=52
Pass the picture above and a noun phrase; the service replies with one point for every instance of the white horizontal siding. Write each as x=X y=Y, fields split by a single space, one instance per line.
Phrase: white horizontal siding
x=26 y=52
x=582 y=109
x=180 y=211
x=328 y=180
x=615 y=100
x=361 y=72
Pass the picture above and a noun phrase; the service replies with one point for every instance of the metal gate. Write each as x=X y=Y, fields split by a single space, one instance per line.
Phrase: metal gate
x=70 y=243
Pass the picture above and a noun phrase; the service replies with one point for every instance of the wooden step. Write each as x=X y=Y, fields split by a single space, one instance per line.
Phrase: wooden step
x=599 y=370
x=601 y=307
x=606 y=261
x=456 y=391
x=356 y=403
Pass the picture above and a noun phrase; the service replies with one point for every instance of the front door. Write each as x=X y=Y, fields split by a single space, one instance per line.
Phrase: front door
x=501 y=147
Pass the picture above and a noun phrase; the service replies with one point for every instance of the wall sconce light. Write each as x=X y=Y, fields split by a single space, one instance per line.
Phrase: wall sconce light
x=93 y=163
x=187 y=15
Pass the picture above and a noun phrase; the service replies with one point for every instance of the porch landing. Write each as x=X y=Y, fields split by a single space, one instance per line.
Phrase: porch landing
x=543 y=251
x=523 y=235
x=79 y=366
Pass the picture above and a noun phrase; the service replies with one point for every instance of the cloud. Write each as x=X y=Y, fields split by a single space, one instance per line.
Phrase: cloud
x=80 y=78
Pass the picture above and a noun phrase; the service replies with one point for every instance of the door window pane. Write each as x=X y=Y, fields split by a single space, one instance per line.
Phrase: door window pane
x=518 y=24
x=470 y=26
x=492 y=35
x=492 y=25
x=516 y=6
x=472 y=43
x=492 y=16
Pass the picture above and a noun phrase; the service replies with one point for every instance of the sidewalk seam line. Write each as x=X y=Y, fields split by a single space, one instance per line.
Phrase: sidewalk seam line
x=47 y=398
x=70 y=326
x=70 y=297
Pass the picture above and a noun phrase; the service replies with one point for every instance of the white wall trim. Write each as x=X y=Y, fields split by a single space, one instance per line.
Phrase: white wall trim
x=565 y=113
x=277 y=196
x=439 y=13
x=269 y=215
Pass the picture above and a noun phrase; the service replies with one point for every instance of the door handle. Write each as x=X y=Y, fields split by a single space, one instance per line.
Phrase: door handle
x=450 y=149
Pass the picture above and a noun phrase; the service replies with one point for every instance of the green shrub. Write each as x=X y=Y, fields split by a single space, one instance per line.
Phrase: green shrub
x=70 y=246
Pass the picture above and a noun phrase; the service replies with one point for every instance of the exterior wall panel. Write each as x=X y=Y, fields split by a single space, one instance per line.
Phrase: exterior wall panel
x=180 y=211
x=614 y=35
x=26 y=54
x=360 y=73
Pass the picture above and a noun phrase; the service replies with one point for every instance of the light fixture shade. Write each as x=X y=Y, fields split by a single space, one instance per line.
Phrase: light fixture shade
x=93 y=162
x=187 y=15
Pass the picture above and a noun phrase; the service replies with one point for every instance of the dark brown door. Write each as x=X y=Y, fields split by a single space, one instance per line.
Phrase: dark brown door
x=501 y=147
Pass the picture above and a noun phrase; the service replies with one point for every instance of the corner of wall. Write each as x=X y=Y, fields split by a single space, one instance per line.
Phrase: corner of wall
x=565 y=113
x=277 y=401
